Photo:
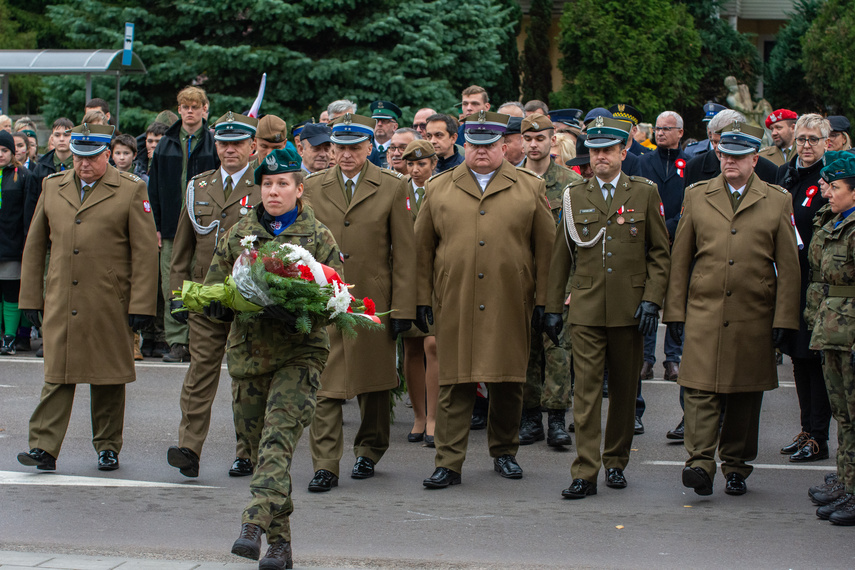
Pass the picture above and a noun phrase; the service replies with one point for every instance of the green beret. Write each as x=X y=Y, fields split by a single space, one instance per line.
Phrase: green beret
x=843 y=167
x=278 y=161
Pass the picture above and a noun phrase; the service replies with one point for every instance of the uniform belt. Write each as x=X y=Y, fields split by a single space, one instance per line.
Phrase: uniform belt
x=839 y=290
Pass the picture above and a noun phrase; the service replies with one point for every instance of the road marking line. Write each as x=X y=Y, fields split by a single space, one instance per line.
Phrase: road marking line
x=32 y=359
x=660 y=381
x=51 y=479
x=756 y=466
x=429 y=517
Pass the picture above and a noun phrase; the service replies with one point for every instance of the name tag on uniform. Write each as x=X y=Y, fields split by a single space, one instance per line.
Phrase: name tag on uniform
x=587 y=210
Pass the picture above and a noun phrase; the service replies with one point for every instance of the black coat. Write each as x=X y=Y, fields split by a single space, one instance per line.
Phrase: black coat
x=660 y=167
x=14 y=217
x=164 y=186
x=631 y=166
x=44 y=168
x=706 y=166
x=637 y=148
x=798 y=181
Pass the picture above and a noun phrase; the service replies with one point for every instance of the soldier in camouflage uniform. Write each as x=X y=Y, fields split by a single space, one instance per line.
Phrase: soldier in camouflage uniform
x=276 y=369
x=833 y=319
x=547 y=383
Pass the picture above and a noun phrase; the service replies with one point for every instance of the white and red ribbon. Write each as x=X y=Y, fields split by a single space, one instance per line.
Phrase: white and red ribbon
x=245 y=202
x=681 y=167
x=811 y=192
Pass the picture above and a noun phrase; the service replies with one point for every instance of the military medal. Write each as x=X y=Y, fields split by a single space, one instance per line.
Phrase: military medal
x=620 y=220
x=243 y=211
x=633 y=231
x=584 y=230
x=203 y=183
x=244 y=202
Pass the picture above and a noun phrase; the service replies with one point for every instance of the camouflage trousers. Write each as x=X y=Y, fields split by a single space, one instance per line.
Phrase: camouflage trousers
x=274 y=409
x=547 y=378
x=840 y=382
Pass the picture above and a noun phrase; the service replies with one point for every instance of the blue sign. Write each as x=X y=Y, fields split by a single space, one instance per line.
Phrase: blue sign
x=127 y=56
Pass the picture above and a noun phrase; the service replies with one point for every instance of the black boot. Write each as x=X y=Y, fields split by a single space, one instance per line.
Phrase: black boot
x=8 y=344
x=557 y=436
x=531 y=426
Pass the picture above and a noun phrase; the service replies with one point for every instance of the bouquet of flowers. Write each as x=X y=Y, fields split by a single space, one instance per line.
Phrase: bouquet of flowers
x=287 y=276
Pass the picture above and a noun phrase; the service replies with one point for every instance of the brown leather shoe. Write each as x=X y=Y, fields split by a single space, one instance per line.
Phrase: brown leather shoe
x=278 y=557
x=672 y=371
x=138 y=355
x=647 y=371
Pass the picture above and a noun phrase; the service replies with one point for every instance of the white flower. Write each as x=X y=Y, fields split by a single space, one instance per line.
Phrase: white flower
x=248 y=240
x=302 y=255
x=340 y=302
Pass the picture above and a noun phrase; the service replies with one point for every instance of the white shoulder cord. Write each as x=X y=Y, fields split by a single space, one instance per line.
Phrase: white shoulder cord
x=190 y=203
x=570 y=228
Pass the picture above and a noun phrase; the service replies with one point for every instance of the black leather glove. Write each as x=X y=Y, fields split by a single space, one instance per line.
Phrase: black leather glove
x=537 y=318
x=34 y=316
x=216 y=311
x=424 y=316
x=139 y=322
x=182 y=315
x=399 y=326
x=649 y=314
x=675 y=331
x=288 y=318
x=552 y=325
x=779 y=337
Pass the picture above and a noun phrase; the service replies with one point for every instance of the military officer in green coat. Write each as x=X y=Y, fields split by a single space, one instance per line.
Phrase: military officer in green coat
x=613 y=229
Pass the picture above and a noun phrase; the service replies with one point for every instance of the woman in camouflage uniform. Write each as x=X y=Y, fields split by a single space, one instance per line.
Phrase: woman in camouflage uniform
x=276 y=369
x=830 y=309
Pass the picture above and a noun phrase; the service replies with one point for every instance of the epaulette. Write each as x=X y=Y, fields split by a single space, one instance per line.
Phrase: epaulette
x=315 y=173
x=440 y=174
x=527 y=171
x=131 y=176
x=776 y=187
x=60 y=173
x=641 y=179
x=201 y=174
x=692 y=144
x=394 y=173
x=696 y=184
x=582 y=181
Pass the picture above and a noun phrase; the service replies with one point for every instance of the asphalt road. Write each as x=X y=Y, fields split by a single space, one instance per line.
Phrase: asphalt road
x=147 y=509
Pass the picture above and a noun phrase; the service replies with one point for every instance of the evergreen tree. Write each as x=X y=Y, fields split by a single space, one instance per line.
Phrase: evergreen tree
x=23 y=89
x=415 y=53
x=536 y=65
x=642 y=52
x=829 y=56
x=507 y=86
x=784 y=77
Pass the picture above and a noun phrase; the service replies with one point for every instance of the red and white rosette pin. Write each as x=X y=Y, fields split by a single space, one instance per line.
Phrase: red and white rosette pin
x=681 y=167
x=811 y=192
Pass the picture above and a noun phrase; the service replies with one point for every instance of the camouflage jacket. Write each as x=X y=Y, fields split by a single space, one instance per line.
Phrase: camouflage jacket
x=261 y=346
x=557 y=178
x=831 y=298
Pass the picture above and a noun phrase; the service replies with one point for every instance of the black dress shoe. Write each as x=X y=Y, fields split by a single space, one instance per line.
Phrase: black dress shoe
x=429 y=441
x=812 y=450
x=442 y=478
x=615 y=478
x=825 y=511
x=248 y=544
x=108 y=460
x=38 y=458
x=323 y=481
x=415 y=437
x=363 y=468
x=697 y=479
x=278 y=557
x=679 y=432
x=798 y=442
x=507 y=467
x=639 y=427
x=579 y=489
x=240 y=468
x=185 y=460
x=478 y=421
x=735 y=484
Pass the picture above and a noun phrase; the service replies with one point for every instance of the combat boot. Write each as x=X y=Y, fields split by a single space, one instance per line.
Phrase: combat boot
x=531 y=426
x=845 y=515
x=826 y=494
x=557 y=435
x=825 y=511
x=8 y=344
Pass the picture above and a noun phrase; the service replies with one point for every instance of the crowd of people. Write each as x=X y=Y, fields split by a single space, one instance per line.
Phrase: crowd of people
x=520 y=258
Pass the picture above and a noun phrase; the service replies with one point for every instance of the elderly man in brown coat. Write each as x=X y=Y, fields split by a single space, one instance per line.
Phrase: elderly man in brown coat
x=484 y=237
x=365 y=207
x=102 y=278
x=735 y=284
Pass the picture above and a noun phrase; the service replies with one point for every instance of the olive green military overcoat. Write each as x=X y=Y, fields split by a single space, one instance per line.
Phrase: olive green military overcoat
x=375 y=235
x=485 y=257
x=745 y=282
x=209 y=204
x=103 y=266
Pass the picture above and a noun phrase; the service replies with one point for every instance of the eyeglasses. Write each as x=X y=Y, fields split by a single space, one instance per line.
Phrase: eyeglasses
x=420 y=126
x=810 y=141
x=666 y=129
x=397 y=148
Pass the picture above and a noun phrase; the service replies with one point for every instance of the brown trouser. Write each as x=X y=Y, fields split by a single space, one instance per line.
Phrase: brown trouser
x=593 y=348
x=207 y=347
x=454 y=414
x=49 y=421
x=740 y=430
x=326 y=437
